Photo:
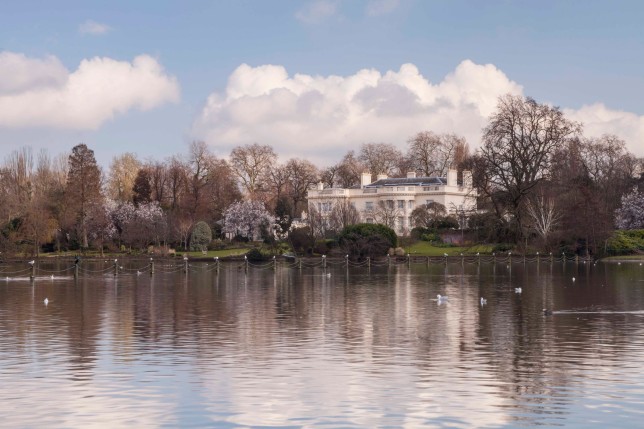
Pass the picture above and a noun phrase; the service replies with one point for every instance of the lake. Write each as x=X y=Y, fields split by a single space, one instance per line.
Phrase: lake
x=317 y=347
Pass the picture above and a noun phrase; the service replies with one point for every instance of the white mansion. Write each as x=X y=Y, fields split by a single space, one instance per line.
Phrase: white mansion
x=398 y=196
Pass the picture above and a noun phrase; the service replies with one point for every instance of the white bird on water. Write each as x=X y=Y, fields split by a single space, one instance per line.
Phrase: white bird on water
x=328 y=274
x=31 y=262
x=440 y=299
x=46 y=301
x=573 y=279
x=483 y=301
x=518 y=290
x=52 y=277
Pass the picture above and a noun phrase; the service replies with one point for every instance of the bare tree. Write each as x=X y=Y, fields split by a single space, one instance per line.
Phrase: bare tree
x=123 y=171
x=343 y=214
x=518 y=145
x=434 y=154
x=301 y=175
x=251 y=164
x=380 y=158
x=542 y=216
x=386 y=213
x=349 y=170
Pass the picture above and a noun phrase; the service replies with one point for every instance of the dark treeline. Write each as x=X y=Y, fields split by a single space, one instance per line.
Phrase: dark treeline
x=540 y=182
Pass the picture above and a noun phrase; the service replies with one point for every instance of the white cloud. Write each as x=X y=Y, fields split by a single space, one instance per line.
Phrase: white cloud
x=19 y=73
x=598 y=120
x=47 y=95
x=381 y=7
x=322 y=117
x=93 y=28
x=316 y=11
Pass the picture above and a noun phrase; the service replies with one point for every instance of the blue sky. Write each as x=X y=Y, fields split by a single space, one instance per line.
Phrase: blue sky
x=225 y=71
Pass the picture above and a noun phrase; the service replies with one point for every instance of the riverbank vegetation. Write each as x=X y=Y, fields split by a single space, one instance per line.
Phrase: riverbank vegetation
x=542 y=186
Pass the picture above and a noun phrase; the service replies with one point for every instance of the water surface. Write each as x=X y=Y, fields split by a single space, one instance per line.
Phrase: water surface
x=322 y=347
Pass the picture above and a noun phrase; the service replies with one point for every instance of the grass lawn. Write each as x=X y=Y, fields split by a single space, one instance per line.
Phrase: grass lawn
x=424 y=248
x=624 y=258
x=218 y=253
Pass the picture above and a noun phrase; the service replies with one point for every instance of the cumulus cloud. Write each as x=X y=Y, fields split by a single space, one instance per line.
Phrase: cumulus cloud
x=323 y=116
x=598 y=120
x=94 y=28
x=381 y=7
x=45 y=94
x=316 y=11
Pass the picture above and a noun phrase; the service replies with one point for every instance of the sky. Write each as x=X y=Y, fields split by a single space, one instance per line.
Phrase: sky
x=313 y=79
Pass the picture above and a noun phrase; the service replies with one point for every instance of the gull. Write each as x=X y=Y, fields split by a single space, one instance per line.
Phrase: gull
x=441 y=298
x=328 y=274
x=518 y=290
x=31 y=262
x=573 y=279
x=52 y=277
x=445 y=255
x=46 y=301
x=483 y=301
x=547 y=312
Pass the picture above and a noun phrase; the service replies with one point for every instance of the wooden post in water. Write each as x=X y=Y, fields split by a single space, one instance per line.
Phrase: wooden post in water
x=408 y=260
x=245 y=264
x=185 y=264
x=116 y=267
x=388 y=260
x=427 y=261
x=217 y=264
x=324 y=261
x=151 y=266
x=368 y=262
x=538 y=260
x=274 y=263
x=299 y=263
x=75 y=271
x=33 y=271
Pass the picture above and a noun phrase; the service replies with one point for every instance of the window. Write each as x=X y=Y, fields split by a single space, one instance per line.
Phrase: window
x=399 y=223
x=401 y=204
x=390 y=204
x=368 y=206
x=400 y=188
x=410 y=204
x=409 y=221
x=369 y=220
x=429 y=201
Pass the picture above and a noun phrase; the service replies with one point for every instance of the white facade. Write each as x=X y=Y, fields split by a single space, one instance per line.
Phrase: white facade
x=399 y=197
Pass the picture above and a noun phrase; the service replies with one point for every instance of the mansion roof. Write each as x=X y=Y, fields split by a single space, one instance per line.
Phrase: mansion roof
x=409 y=181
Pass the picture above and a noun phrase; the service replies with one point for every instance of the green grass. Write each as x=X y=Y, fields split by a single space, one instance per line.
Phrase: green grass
x=624 y=258
x=218 y=253
x=424 y=248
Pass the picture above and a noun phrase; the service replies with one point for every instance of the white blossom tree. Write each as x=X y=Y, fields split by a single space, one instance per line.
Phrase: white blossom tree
x=631 y=213
x=247 y=219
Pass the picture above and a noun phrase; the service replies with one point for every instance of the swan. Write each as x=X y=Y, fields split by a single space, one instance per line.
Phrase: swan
x=483 y=301
x=518 y=290
x=441 y=298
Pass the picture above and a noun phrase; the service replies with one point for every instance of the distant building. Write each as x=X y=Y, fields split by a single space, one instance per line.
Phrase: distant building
x=399 y=197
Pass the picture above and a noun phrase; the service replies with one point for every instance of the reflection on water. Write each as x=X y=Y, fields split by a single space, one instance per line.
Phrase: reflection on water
x=299 y=348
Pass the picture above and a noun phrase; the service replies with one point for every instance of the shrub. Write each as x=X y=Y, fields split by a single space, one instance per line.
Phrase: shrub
x=201 y=236
x=367 y=240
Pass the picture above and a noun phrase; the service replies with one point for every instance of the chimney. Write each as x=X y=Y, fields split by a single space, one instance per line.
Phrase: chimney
x=381 y=177
x=320 y=186
x=365 y=179
x=411 y=174
x=452 y=176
